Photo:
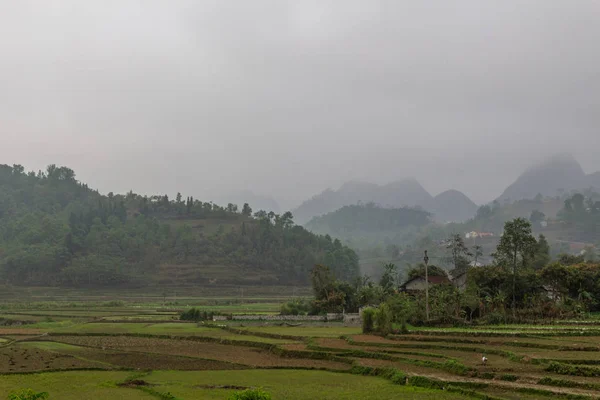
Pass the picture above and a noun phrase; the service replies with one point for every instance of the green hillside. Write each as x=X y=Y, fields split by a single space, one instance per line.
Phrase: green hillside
x=55 y=230
x=368 y=225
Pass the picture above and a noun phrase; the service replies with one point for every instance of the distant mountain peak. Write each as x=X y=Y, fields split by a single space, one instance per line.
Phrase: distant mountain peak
x=558 y=161
x=556 y=174
x=453 y=205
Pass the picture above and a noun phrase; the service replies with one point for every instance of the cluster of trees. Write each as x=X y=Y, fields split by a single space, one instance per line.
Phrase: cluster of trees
x=55 y=230
x=196 y=315
x=584 y=213
x=522 y=284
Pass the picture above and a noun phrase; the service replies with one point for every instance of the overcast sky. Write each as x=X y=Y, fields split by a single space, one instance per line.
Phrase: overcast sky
x=286 y=98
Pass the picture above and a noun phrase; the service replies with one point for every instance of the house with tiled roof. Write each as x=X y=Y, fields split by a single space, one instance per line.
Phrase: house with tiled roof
x=418 y=283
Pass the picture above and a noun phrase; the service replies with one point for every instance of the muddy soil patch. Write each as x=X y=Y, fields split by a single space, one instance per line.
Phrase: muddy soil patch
x=20 y=359
x=135 y=383
x=230 y=387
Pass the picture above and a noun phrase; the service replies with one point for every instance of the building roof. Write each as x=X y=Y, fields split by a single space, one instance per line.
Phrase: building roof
x=434 y=280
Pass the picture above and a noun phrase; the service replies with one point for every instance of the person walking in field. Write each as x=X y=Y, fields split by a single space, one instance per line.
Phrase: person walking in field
x=484 y=360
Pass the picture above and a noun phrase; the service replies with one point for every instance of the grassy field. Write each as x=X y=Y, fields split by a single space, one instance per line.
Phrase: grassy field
x=282 y=384
x=137 y=349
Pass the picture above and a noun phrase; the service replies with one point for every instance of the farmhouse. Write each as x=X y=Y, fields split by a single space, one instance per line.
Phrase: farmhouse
x=417 y=284
x=474 y=234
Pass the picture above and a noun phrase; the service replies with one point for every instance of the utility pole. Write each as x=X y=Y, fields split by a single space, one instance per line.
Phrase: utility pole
x=426 y=260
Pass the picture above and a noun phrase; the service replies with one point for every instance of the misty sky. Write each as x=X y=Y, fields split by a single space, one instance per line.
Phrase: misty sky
x=286 y=98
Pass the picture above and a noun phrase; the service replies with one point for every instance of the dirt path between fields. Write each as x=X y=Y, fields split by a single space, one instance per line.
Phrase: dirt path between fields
x=513 y=385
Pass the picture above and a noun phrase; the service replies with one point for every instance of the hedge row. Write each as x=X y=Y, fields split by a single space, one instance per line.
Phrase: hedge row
x=487 y=342
x=568 y=384
x=575 y=370
x=503 y=353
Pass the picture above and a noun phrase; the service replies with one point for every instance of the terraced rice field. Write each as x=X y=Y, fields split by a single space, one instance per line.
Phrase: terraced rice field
x=107 y=354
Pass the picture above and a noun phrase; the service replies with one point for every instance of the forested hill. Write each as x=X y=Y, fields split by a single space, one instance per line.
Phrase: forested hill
x=370 y=225
x=56 y=231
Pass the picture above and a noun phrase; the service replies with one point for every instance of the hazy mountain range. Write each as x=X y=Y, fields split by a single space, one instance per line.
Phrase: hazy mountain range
x=557 y=175
x=450 y=205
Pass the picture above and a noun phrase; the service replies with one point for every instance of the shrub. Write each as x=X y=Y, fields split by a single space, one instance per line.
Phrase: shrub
x=403 y=328
x=509 y=378
x=194 y=314
x=114 y=303
x=27 y=394
x=494 y=318
x=395 y=376
x=368 y=315
x=251 y=394
x=455 y=367
x=296 y=307
x=576 y=370
x=424 y=382
x=383 y=319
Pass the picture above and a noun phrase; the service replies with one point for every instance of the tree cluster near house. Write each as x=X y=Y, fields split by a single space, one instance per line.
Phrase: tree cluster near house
x=55 y=230
x=523 y=284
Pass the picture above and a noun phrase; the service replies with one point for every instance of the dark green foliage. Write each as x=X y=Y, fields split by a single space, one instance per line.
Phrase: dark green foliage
x=576 y=283
x=194 y=314
x=568 y=384
x=251 y=394
x=455 y=367
x=516 y=249
x=56 y=231
x=570 y=259
x=368 y=320
x=396 y=377
x=389 y=280
x=541 y=258
x=583 y=213
x=575 y=370
x=425 y=382
x=486 y=375
x=383 y=320
x=509 y=377
x=27 y=394
x=333 y=295
x=297 y=307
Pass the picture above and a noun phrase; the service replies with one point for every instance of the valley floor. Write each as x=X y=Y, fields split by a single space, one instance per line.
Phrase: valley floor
x=85 y=348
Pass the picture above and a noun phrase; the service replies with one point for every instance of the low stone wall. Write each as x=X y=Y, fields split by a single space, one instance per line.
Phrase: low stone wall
x=354 y=319
x=255 y=317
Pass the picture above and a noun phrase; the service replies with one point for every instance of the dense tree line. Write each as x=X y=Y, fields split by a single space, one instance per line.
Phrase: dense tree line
x=584 y=214
x=55 y=230
x=523 y=284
